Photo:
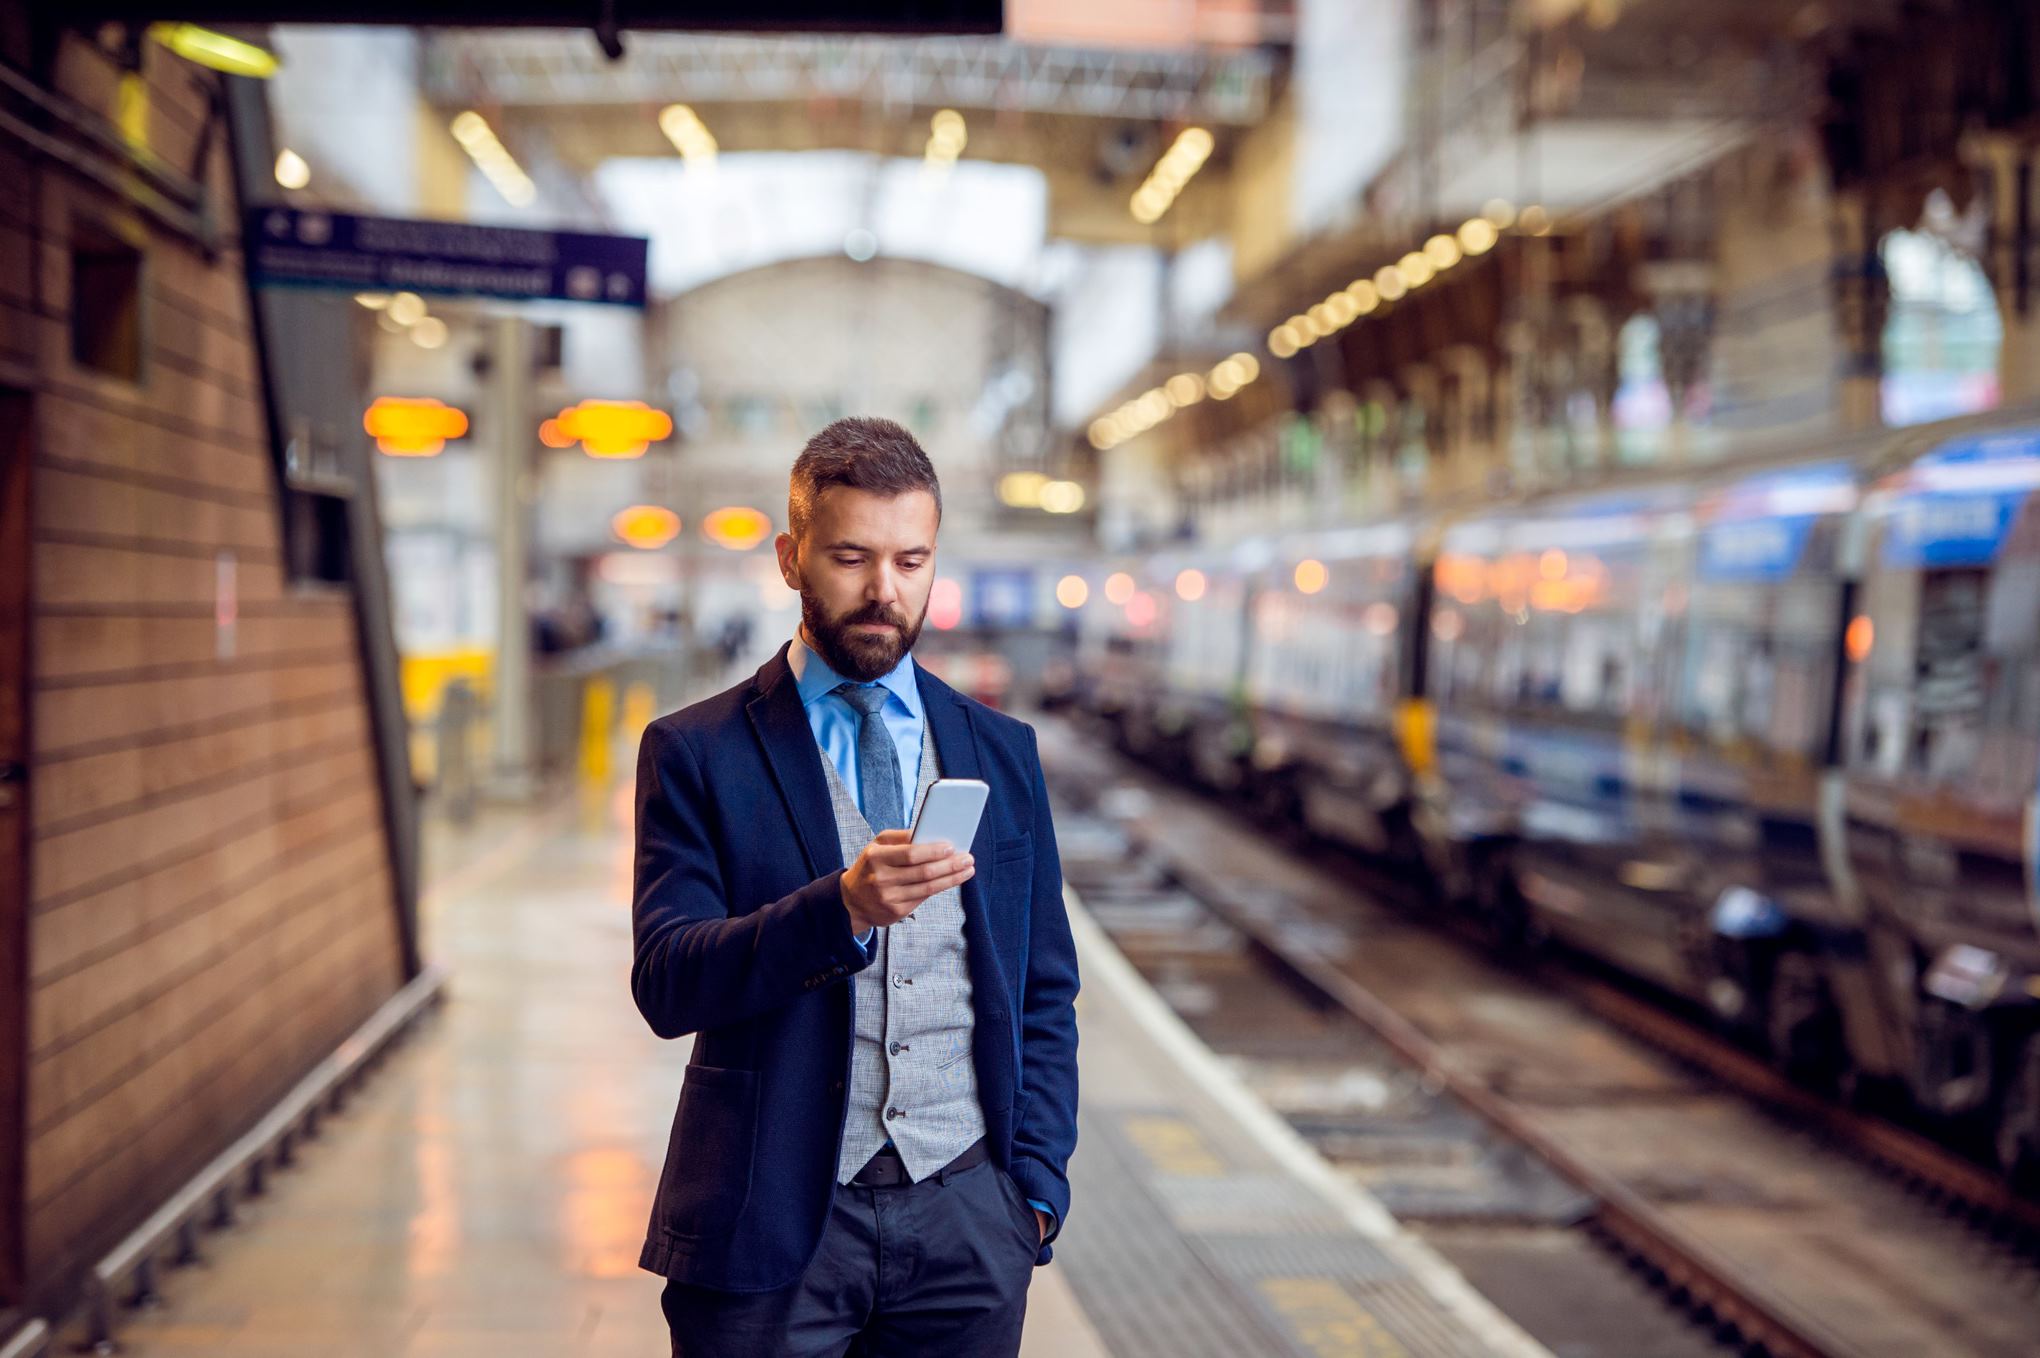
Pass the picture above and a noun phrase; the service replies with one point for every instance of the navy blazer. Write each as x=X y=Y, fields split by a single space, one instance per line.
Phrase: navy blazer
x=741 y=937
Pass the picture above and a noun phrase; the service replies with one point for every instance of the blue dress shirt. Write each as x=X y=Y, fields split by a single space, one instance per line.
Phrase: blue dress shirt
x=835 y=723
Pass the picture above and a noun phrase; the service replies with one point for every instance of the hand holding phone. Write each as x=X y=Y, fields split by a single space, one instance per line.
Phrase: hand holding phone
x=898 y=871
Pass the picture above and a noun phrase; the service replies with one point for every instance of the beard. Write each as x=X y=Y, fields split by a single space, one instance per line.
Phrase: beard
x=862 y=656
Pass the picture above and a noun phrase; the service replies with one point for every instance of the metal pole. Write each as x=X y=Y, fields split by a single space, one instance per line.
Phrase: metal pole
x=507 y=407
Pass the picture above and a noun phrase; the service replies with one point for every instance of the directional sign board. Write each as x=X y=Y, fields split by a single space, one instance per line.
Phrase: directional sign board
x=301 y=247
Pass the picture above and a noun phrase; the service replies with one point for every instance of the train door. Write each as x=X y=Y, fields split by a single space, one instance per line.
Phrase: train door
x=15 y=435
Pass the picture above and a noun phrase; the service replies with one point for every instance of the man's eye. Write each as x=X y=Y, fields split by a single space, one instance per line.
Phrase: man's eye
x=849 y=561
x=910 y=565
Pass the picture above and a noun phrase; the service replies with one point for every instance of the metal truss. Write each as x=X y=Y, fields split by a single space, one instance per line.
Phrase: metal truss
x=533 y=68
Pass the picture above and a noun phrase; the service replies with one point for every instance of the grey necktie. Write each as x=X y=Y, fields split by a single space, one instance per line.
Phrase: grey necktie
x=878 y=759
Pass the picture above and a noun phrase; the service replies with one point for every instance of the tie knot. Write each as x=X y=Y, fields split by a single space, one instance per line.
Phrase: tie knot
x=866 y=698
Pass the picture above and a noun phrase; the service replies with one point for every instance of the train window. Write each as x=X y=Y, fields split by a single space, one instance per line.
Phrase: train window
x=1318 y=653
x=1950 y=692
x=1568 y=636
x=1758 y=664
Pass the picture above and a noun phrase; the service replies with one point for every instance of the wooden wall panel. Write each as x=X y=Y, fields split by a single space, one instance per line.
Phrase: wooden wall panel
x=210 y=902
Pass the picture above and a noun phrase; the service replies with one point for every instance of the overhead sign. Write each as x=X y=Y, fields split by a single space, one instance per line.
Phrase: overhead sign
x=300 y=247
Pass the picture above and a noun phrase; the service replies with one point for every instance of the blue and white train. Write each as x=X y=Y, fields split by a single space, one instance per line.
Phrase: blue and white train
x=1766 y=734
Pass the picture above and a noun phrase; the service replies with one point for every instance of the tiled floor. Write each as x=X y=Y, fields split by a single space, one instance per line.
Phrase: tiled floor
x=485 y=1193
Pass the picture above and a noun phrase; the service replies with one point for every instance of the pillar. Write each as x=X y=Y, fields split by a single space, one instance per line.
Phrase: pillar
x=1862 y=300
x=2011 y=255
x=512 y=429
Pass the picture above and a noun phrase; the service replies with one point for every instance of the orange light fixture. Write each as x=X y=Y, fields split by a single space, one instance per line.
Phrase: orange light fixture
x=1859 y=637
x=646 y=526
x=552 y=436
x=413 y=427
x=611 y=428
x=1311 y=576
x=737 y=527
x=1189 y=585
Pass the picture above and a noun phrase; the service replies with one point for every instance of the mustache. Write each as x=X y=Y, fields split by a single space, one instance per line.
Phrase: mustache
x=875 y=613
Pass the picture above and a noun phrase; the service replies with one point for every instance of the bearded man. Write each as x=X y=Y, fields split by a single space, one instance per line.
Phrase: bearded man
x=871 y=1145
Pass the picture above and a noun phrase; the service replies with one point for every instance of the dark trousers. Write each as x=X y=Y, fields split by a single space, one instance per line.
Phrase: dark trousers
x=936 y=1268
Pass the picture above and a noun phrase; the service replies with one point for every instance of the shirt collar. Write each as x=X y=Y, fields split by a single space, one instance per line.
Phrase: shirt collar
x=813 y=677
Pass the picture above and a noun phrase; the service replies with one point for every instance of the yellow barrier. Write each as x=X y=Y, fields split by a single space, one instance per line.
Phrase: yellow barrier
x=423 y=679
x=1416 y=729
x=598 y=728
x=640 y=706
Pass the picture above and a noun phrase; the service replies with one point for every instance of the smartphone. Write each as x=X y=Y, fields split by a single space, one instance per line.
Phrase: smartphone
x=950 y=812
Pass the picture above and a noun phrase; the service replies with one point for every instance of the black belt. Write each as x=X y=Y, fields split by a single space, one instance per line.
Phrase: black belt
x=887 y=1170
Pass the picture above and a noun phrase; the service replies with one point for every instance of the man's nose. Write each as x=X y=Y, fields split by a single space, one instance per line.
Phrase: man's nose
x=885 y=585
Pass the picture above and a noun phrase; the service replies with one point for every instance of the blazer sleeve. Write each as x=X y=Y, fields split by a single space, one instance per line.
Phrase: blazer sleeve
x=1046 y=1130
x=694 y=965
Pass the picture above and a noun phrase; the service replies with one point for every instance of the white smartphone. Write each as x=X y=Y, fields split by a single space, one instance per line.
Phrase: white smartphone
x=950 y=812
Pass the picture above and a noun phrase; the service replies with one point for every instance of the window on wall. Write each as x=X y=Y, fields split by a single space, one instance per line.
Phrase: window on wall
x=1942 y=333
x=106 y=301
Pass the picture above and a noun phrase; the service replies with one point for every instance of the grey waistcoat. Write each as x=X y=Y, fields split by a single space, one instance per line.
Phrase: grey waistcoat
x=911 y=1074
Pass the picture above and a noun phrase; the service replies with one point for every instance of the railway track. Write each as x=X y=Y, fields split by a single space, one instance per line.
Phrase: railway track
x=1785 y=1224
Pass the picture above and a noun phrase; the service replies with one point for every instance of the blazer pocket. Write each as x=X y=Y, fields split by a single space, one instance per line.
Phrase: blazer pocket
x=1013 y=849
x=707 y=1178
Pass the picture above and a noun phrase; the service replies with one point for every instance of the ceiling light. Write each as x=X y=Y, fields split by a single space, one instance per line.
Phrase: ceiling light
x=215 y=50
x=406 y=308
x=497 y=165
x=689 y=135
x=1182 y=160
x=1477 y=236
x=1062 y=497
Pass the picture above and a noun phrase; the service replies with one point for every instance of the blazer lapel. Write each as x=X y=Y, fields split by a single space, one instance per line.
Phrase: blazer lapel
x=782 y=725
x=955 y=738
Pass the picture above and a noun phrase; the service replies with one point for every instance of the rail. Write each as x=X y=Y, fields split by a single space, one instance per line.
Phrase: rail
x=127 y=1273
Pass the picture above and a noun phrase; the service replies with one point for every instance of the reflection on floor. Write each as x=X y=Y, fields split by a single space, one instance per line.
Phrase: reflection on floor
x=485 y=1193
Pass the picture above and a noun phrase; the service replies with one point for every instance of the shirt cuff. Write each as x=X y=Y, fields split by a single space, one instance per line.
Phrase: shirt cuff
x=1038 y=1205
x=864 y=940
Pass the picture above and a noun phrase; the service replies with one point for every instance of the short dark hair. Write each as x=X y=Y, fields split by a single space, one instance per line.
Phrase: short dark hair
x=864 y=453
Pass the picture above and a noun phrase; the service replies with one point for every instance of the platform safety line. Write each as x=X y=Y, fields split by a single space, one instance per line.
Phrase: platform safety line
x=1099 y=959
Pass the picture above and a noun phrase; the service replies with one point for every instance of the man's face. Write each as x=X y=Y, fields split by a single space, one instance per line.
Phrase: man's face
x=864 y=571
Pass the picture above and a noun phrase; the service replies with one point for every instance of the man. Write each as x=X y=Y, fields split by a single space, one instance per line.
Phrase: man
x=869 y=1154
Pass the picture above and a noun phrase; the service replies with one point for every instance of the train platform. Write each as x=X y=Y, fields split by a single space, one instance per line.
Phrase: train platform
x=485 y=1191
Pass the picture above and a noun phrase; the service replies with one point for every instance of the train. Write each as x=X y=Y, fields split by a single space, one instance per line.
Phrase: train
x=1763 y=733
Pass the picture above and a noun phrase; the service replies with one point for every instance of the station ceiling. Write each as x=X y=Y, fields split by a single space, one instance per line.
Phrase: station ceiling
x=1093 y=120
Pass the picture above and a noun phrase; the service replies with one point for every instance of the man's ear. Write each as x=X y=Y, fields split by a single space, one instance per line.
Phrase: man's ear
x=787 y=549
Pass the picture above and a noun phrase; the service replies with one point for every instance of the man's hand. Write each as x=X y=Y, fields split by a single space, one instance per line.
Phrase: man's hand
x=892 y=877
x=1041 y=1223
